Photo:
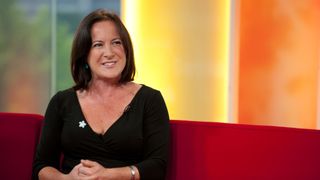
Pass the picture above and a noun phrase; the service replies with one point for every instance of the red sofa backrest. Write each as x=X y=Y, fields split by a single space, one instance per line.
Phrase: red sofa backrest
x=199 y=150
x=19 y=134
x=210 y=150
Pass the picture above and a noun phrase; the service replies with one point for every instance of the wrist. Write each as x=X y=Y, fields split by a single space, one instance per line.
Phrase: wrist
x=107 y=173
x=132 y=172
x=65 y=176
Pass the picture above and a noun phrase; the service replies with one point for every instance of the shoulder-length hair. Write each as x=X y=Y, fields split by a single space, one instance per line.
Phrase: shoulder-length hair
x=82 y=43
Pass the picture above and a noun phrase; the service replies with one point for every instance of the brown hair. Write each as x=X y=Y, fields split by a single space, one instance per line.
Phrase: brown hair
x=82 y=44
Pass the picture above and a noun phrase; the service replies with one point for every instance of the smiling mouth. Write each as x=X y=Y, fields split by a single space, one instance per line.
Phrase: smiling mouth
x=109 y=63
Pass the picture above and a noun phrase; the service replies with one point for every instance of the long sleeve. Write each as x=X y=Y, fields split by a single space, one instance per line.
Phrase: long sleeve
x=48 y=150
x=156 y=139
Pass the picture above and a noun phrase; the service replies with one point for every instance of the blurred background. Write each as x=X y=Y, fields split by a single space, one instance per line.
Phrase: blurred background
x=237 y=61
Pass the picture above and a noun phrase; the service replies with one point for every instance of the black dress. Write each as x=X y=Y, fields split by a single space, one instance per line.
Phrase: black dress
x=139 y=137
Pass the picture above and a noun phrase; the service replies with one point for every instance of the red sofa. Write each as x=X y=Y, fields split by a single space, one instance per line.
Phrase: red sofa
x=19 y=134
x=199 y=150
x=210 y=150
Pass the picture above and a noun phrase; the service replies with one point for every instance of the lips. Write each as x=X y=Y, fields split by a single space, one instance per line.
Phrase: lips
x=109 y=63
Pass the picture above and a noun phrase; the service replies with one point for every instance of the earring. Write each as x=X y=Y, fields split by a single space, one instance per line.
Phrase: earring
x=86 y=66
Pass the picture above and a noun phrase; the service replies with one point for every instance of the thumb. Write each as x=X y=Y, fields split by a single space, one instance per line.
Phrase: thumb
x=88 y=163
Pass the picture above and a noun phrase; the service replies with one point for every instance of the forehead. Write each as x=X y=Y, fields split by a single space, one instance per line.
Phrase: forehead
x=104 y=29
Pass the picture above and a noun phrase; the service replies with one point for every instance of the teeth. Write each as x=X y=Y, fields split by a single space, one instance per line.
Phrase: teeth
x=109 y=63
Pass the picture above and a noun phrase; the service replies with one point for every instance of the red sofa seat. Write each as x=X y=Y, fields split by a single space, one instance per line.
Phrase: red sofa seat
x=19 y=134
x=211 y=150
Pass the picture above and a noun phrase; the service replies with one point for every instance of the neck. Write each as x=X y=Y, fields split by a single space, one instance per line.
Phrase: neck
x=103 y=88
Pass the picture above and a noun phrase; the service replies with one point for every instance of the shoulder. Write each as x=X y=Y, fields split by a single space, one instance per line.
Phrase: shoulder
x=64 y=93
x=147 y=90
x=148 y=93
x=62 y=100
x=154 y=103
x=63 y=96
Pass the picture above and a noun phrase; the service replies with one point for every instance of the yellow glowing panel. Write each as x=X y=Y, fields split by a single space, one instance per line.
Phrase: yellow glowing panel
x=181 y=48
x=279 y=62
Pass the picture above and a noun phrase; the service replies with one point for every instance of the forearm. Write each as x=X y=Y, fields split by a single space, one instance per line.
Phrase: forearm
x=50 y=173
x=121 y=173
x=93 y=170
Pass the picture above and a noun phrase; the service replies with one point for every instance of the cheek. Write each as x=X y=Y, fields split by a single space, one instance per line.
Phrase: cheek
x=121 y=53
x=93 y=54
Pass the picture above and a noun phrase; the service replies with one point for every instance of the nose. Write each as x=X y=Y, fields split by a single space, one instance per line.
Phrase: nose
x=108 y=52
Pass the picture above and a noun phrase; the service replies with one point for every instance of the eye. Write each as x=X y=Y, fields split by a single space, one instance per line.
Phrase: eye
x=117 y=42
x=98 y=44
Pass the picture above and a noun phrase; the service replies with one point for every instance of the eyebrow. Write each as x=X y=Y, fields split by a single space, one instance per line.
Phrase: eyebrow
x=118 y=38
x=97 y=41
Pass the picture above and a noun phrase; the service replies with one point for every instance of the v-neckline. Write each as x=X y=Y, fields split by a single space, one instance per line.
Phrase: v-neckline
x=115 y=122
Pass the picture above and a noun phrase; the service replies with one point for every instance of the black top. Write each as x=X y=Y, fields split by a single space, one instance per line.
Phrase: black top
x=139 y=137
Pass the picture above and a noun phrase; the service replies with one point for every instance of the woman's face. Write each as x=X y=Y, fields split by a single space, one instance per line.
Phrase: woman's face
x=106 y=57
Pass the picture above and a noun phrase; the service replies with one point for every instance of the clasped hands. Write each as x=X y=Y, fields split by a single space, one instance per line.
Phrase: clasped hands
x=87 y=170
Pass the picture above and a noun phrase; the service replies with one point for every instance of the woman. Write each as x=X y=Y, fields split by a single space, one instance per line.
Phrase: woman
x=106 y=126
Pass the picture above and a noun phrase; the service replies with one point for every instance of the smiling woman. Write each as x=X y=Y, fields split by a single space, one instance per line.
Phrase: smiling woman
x=99 y=42
x=107 y=57
x=106 y=126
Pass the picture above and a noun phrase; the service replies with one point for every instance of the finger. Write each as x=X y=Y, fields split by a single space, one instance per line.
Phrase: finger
x=88 y=163
x=77 y=166
x=74 y=173
x=86 y=171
